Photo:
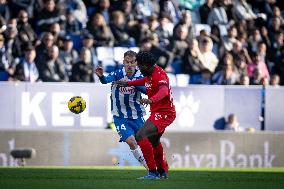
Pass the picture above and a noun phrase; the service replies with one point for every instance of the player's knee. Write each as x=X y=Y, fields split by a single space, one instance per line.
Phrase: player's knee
x=131 y=143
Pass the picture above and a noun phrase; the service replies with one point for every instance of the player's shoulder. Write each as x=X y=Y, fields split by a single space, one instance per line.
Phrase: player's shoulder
x=159 y=72
x=118 y=73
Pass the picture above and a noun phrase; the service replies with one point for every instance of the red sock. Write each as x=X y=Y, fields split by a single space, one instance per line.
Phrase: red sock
x=147 y=150
x=160 y=158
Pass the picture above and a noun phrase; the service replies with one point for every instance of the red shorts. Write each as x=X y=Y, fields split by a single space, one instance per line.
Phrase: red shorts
x=161 y=120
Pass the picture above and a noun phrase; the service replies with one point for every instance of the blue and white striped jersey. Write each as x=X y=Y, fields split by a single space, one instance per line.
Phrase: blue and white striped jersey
x=125 y=100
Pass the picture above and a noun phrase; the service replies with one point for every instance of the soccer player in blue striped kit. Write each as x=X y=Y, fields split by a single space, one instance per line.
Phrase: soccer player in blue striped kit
x=125 y=103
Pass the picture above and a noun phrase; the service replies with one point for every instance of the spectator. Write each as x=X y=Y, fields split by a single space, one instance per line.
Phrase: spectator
x=145 y=8
x=49 y=15
x=187 y=22
x=260 y=64
x=218 y=14
x=177 y=46
x=244 y=80
x=232 y=123
x=205 y=77
x=68 y=55
x=4 y=64
x=126 y=7
x=83 y=71
x=170 y=8
x=103 y=9
x=164 y=31
x=4 y=10
x=241 y=65
x=207 y=57
x=226 y=76
x=26 y=70
x=41 y=50
x=25 y=30
x=78 y=9
x=18 y=5
x=275 y=80
x=253 y=41
x=192 y=64
x=243 y=11
x=12 y=45
x=88 y=42
x=204 y=11
x=119 y=30
x=164 y=56
x=100 y=31
x=256 y=78
x=230 y=39
x=52 y=69
x=73 y=25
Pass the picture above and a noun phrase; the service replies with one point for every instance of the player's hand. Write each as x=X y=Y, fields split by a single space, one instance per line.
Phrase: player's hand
x=99 y=71
x=145 y=101
x=120 y=83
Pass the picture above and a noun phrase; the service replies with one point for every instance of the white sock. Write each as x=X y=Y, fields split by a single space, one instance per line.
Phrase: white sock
x=139 y=156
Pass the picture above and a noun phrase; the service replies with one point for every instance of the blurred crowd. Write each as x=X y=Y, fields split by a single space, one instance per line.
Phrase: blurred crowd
x=224 y=42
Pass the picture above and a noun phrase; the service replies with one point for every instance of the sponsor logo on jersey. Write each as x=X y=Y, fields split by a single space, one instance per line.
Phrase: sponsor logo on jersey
x=127 y=90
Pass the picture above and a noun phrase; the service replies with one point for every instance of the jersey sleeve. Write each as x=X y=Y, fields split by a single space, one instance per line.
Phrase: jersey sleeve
x=162 y=93
x=162 y=80
x=138 y=82
x=113 y=76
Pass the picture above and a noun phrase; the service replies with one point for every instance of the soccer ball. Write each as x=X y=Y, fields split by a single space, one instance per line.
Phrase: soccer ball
x=77 y=104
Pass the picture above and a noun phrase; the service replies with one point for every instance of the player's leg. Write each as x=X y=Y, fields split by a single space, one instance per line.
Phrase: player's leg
x=147 y=130
x=159 y=155
x=126 y=132
x=136 y=150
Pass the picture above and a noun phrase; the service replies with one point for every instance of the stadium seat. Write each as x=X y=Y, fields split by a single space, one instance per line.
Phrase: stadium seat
x=118 y=53
x=106 y=58
x=172 y=78
x=182 y=80
x=135 y=49
x=77 y=42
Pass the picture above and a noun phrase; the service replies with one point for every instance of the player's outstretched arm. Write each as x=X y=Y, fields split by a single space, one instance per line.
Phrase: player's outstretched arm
x=105 y=79
x=120 y=83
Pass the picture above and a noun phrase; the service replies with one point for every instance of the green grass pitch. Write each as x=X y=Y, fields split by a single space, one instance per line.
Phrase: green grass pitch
x=125 y=177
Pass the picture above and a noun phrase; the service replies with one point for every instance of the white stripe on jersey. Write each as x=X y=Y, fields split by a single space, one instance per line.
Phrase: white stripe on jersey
x=131 y=102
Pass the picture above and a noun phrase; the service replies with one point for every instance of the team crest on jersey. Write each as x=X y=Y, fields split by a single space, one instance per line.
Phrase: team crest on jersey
x=127 y=90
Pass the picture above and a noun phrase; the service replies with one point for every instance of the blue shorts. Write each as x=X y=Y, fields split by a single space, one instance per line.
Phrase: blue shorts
x=126 y=127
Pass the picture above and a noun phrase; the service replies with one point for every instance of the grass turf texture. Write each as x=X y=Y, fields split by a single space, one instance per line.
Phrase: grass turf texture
x=125 y=177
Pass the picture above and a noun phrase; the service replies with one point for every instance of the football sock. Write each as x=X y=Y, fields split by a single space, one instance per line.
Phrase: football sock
x=147 y=150
x=139 y=156
x=160 y=158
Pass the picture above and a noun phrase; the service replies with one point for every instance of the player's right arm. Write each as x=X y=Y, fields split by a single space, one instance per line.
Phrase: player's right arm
x=138 y=82
x=105 y=79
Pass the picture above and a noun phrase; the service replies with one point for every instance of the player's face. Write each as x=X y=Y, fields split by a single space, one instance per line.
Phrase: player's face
x=129 y=64
x=145 y=70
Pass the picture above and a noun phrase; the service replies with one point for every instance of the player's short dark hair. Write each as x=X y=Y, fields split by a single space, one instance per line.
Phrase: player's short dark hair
x=130 y=53
x=146 y=58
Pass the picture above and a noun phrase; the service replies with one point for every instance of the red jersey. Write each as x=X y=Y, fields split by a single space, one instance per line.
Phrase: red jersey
x=153 y=83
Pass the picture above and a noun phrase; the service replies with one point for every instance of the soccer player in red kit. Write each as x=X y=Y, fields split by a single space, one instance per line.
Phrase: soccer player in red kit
x=162 y=115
